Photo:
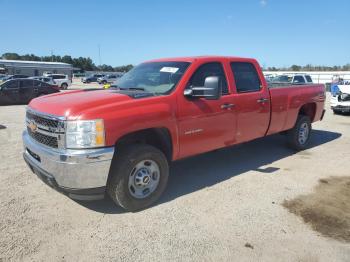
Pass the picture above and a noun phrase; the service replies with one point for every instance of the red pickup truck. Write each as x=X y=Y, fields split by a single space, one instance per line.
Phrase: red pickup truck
x=120 y=141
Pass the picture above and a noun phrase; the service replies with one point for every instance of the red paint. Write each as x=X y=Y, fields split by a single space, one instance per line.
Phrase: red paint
x=212 y=126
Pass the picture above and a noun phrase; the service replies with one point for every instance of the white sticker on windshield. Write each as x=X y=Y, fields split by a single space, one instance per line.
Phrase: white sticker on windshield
x=169 y=69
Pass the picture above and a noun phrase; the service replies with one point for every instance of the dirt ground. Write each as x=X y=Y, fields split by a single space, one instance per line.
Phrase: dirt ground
x=327 y=209
x=221 y=206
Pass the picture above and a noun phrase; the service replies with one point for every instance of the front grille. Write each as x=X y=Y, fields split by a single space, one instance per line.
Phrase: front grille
x=45 y=130
x=44 y=139
x=51 y=123
x=346 y=98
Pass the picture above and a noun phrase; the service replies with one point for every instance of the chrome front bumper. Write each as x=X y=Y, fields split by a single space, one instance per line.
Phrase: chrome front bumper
x=71 y=170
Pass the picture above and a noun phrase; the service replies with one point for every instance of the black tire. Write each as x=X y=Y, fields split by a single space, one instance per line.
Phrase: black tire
x=123 y=165
x=293 y=134
x=64 y=86
x=336 y=112
x=104 y=82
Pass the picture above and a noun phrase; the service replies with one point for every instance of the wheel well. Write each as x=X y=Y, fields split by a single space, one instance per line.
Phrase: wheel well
x=308 y=110
x=157 y=137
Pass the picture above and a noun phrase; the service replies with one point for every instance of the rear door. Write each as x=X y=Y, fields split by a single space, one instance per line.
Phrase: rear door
x=204 y=124
x=26 y=90
x=9 y=93
x=252 y=101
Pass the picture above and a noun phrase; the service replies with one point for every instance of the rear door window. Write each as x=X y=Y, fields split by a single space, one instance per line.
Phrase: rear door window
x=298 y=79
x=26 y=84
x=246 y=77
x=58 y=77
x=37 y=83
x=308 y=79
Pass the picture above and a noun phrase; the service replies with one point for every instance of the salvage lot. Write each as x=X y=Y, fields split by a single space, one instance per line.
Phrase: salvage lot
x=221 y=205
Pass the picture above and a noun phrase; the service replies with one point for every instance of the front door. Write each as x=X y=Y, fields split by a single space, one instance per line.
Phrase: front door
x=204 y=124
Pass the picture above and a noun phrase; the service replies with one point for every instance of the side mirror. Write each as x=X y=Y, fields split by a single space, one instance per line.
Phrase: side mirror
x=211 y=89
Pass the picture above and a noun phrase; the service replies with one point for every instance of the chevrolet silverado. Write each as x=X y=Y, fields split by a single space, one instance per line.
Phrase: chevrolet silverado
x=120 y=141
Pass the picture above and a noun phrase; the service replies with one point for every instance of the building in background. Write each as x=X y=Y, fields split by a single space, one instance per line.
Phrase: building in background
x=35 y=68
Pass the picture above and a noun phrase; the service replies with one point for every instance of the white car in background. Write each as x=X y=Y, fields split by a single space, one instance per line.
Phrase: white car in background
x=340 y=100
x=60 y=80
x=44 y=79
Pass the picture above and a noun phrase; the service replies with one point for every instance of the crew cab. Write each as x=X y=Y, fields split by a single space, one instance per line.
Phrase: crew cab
x=120 y=141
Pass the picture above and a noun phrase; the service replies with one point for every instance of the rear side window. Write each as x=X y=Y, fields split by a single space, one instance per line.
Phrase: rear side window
x=26 y=83
x=308 y=79
x=37 y=83
x=246 y=77
x=298 y=79
x=209 y=69
x=58 y=77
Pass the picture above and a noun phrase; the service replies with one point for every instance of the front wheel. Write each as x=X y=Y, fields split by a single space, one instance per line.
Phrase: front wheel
x=139 y=175
x=299 y=136
x=64 y=86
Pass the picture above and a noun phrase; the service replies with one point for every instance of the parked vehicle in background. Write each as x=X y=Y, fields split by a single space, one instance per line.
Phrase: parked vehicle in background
x=61 y=80
x=301 y=79
x=120 y=141
x=47 y=73
x=91 y=78
x=44 y=79
x=2 y=77
x=107 y=79
x=295 y=79
x=23 y=90
x=340 y=100
x=9 y=77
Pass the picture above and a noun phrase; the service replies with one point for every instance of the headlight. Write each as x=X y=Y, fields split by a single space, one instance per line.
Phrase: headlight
x=85 y=134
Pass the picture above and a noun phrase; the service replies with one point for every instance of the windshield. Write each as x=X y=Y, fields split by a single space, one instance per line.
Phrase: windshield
x=154 y=77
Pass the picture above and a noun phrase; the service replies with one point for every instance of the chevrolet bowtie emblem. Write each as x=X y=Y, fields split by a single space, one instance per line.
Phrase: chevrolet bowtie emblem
x=33 y=126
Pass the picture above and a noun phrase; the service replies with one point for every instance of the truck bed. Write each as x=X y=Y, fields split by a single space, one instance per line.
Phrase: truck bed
x=287 y=99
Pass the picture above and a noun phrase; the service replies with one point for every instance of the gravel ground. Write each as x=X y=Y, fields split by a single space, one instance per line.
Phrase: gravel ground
x=219 y=206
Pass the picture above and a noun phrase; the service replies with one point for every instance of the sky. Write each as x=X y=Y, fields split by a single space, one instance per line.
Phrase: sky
x=276 y=32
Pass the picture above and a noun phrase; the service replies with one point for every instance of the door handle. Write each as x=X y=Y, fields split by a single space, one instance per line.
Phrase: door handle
x=262 y=100
x=227 y=106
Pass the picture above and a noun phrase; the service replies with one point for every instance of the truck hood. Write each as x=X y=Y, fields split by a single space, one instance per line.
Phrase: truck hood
x=71 y=104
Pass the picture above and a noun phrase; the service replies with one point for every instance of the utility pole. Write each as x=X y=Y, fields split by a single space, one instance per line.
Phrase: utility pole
x=51 y=55
x=99 y=54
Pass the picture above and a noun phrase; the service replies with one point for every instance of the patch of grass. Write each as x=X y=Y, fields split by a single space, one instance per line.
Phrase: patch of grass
x=327 y=209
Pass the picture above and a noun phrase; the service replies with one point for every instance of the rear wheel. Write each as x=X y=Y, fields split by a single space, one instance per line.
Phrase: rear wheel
x=139 y=175
x=299 y=136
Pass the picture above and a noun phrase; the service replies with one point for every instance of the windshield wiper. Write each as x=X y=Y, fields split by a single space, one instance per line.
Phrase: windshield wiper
x=132 y=88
